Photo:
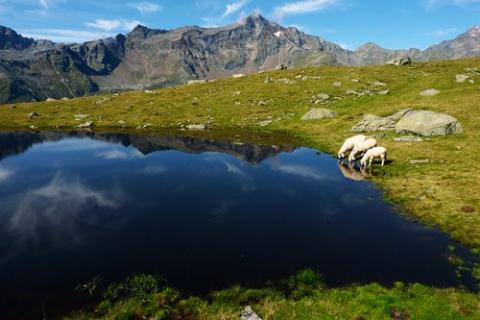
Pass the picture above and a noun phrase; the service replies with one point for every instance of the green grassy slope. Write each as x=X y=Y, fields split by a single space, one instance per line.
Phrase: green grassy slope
x=434 y=192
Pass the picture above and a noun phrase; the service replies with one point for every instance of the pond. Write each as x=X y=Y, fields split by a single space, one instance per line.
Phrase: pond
x=204 y=214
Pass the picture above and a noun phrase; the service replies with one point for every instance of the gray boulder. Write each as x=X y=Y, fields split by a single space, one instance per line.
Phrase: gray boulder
x=197 y=127
x=249 y=314
x=371 y=122
x=399 y=115
x=403 y=61
x=85 y=125
x=319 y=114
x=408 y=139
x=429 y=92
x=428 y=123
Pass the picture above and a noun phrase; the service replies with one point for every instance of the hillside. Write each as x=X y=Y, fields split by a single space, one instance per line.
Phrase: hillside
x=33 y=70
x=435 y=180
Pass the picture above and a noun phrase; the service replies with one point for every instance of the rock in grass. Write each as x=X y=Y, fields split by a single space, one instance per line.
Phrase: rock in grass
x=384 y=92
x=32 y=115
x=429 y=93
x=238 y=75
x=428 y=123
x=81 y=116
x=192 y=82
x=319 y=114
x=265 y=123
x=197 y=127
x=371 y=122
x=419 y=161
x=85 y=125
x=249 y=314
x=403 y=61
x=460 y=78
x=399 y=115
x=408 y=139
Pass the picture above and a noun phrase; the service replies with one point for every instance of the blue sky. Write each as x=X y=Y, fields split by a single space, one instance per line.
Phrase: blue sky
x=392 y=24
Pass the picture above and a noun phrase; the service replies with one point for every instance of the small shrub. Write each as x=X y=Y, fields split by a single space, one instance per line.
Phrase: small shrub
x=142 y=287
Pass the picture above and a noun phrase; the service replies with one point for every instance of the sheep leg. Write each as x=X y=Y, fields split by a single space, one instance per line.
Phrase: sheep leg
x=383 y=160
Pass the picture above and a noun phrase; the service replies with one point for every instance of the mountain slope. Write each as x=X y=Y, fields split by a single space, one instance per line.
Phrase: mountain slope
x=147 y=58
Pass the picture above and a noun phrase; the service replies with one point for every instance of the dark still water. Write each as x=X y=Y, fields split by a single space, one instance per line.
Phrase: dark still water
x=204 y=214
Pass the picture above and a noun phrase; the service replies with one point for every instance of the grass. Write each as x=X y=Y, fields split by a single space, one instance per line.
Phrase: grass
x=303 y=296
x=434 y=192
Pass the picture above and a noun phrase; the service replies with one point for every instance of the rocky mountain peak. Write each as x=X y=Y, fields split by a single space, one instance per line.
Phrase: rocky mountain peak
x=9 y=39
x=369 y=46
x=474 y=32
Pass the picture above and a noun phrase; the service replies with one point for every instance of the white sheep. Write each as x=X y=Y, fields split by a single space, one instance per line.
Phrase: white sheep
x=362 y=147
x=349 y=144
x=374 y=153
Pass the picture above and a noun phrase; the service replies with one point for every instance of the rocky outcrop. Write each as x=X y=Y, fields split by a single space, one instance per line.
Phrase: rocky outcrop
x=372 y=122
x=418 y=122
x=319 y=114
x=249 y=314
x=428 y=123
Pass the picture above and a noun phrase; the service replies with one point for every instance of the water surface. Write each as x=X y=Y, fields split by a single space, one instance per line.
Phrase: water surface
x=205 y=214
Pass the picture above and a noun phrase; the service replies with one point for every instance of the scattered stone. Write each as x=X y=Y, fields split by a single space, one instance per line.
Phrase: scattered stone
x=237 y=93
x=399 y=115
x=319 y=114
x=337 y=84
x=460 y=78
x=384 y=92
x=428 y=123
x=268 y=79
x=238 y=75
x=32 y=127
x=65 y=99
x=352 y=92
x=148 y=91
x=121 y=122
x=50 y=100
x=249 y=314
x=298 y=77
x=32 y=115
x=408 y=139
x=403 y=61
x=262 y=103
x=281 y=67
x=101 y=101
x=85 y=125
x=429 y=93
x=371 y=122
x=319 y=98
x=471 y=81
x=265 y=123
x=196 y=127
x=419 y=161
x=468 y=209
x=192 y=82
x=261 y=72
x=144 y=126
x=80 y=117
x=379 y=84
x=237 y=103
x=355 y=80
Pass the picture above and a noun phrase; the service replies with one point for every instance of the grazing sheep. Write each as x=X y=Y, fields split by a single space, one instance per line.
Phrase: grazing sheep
x=349 y=144
x=362 y=147
x=374 y=153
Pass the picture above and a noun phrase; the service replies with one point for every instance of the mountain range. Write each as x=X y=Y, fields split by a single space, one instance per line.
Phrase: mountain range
x=33 y=70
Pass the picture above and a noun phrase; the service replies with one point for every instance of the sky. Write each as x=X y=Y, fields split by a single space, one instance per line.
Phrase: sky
x=350 y=23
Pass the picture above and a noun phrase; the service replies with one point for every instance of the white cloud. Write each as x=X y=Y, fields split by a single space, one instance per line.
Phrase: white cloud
x=4 y=175
x=300 y=7
x=44 y=3
x=61 y=203
x=235 y=7
x=146 y=7
x=113 y=24
x=64 y=35
x=435 y=3
x=304 y=172
x=115 y=154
